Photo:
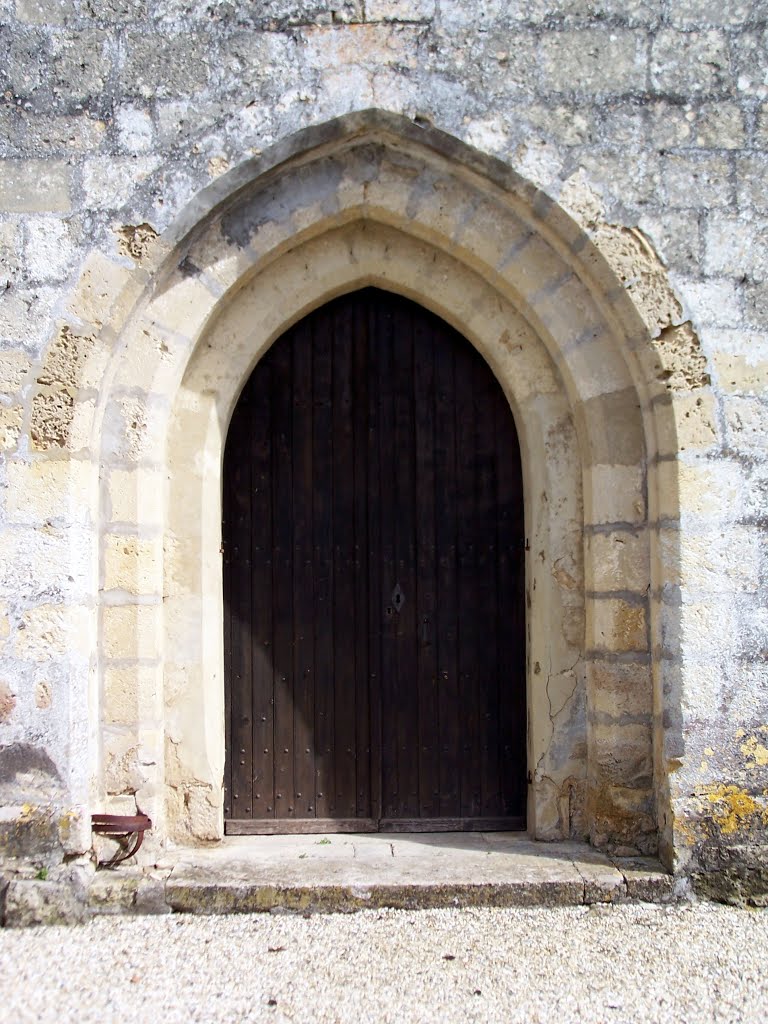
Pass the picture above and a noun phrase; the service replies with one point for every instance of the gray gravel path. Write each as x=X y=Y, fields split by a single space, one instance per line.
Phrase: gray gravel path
x=603 y=964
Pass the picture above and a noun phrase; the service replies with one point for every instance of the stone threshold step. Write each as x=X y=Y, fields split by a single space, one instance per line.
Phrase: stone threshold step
x=310 y=874
x=342 y=874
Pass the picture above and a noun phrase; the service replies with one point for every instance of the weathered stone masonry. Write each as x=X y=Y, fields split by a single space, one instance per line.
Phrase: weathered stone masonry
x=579 y=188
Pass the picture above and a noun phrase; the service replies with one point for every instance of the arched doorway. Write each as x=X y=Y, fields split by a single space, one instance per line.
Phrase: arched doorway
x=374 y=626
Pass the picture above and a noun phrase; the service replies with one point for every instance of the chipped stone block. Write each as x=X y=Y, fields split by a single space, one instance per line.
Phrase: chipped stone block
x=42 y=903
x=136 y=240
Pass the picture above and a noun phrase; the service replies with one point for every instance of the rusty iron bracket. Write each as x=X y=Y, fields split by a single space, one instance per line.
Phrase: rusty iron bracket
x=126 y=829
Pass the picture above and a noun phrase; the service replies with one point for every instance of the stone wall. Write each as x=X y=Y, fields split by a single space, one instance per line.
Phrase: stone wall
x=646 y=122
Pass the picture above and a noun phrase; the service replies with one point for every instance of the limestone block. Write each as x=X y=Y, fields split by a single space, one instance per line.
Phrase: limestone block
x=699 y=630
x=110 y=184
x=136 y=496
x=682 y=365
x=746 y=423
x=135 y=426
x=736 y=247
x=164 y=65
x=64 y=12
x=690 y=423
x=697 y=181
x=7 y=701
x=617 y=625
x=132 y=694
x=365 y=45
x=618 y=561
x=720 y=126
x=687 y=63
x=745 y=374
x=705 y=561
x=51 y=134
x=24 y=74
x=399 y=10
x=618 y=690
x=54 y=492
x=623 y=754
x=132 y=564
x=593 y=61
x=10 y=426
x=11 y=257
x=102 y=284
x=752 y=181
x=756 y=303
x=81 y=63
x=49 y=252
x=712 y=302
x=122 y=772
x=25 y=315
x=687 y=490
x=35 y=186
x=691 y=14
x=58 y=421
x=50 y=631
x=136 y=240
x=134 y=129
x=615 y=428
x=14 y=367
x=613 y=494
x=130 y=631
x=184 y=304
x=73 y=361
x=30 y=902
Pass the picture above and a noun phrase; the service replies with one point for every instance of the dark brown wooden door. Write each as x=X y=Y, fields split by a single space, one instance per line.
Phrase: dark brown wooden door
x=374 y=630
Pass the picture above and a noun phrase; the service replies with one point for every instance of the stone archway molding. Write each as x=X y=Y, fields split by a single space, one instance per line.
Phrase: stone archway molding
x=373 y=199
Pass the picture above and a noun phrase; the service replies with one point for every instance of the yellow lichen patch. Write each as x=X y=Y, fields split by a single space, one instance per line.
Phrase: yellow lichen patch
x=736 y=808
x=755 y=752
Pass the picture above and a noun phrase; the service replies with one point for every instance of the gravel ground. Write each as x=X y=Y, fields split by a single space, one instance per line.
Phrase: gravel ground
x=610 y=964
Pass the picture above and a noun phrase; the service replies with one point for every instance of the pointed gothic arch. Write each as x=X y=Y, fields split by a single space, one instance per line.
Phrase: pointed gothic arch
x=371 y=199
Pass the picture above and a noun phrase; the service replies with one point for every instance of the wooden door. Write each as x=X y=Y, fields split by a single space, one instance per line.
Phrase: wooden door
x=373 y=581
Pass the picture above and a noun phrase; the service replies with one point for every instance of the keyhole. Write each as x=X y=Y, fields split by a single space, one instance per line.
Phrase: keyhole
x=398 y=598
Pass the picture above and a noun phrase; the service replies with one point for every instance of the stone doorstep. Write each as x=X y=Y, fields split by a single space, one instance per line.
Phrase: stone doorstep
x=346 y=873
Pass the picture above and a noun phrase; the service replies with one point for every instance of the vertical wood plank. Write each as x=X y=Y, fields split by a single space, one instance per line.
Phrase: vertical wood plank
x=241 y=736
x=466 y=488
x=257 y=443
x=303 y=576
x=375 y=605
x=428 y=709
x=345 y=802
x=323 y=471
x=487 y=693
x=511 y=616
x=360 y=358
x=406 y=694
x=385 y=330
x=282 y=578
x=447 y=606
